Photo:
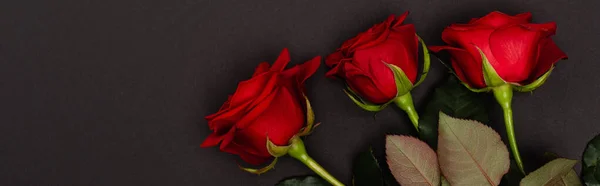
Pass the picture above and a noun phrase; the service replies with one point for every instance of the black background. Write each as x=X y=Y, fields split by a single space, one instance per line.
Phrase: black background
x=114 y=92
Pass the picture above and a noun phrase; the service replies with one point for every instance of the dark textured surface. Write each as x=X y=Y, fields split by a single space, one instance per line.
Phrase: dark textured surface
x=114 y=92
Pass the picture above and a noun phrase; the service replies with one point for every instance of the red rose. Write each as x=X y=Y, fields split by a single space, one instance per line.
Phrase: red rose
x=363 y=60
x=270 y=104
x=520 y=52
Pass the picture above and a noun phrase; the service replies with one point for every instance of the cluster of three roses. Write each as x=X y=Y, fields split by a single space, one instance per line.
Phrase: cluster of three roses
x=268 y=113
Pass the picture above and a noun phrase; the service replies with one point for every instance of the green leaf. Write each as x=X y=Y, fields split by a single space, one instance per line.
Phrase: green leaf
x=471 y=153
x=303 y=181
x=445 y=182
x=411 y=161
x=366 y=170
x=571 y=178
x=555 y=173
x=591 y=157
x=455 y=100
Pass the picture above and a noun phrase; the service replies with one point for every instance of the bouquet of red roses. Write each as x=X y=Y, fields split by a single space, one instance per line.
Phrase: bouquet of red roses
x=269 y=114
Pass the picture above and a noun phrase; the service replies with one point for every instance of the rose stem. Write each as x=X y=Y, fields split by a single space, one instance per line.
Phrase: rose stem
x=504 y=95
x=405 y=102
x=298 y=151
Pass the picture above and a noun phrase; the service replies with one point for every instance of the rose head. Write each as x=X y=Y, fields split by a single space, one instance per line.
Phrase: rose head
x=513 y=49
x=269 y=105
x=367 y=61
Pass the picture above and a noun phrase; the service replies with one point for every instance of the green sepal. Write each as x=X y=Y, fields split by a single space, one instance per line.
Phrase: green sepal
x=310 y=119
x=535 y=84
x=261 y=170
x=403 y=84
x=275 y=150
x=490 y=76
x=426 y=62
x=362 y=103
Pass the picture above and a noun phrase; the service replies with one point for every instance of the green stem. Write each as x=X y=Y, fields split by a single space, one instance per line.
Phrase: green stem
x=503 y=94
x=405 y=102
x=298 y=151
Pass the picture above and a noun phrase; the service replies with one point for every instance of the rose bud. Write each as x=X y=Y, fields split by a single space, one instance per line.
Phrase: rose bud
x=380 y=66
x=502 y=53
x=266 y=115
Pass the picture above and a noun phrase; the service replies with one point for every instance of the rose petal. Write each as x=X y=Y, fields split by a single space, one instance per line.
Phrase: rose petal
x=224 y=120
x=253 y=88
x=280 y=121
x=547 y=29
x=549 y=54
x=333 y=72
x=409 y=61
x=470 y=40
x=250 y=158
x=400 y=19
x=295 y=77
x=498 y=19
x=257 y=109
x=464 y=65
x=226 y=104
x=261 y=68
x=303 y=71
x=383 y=78
x=282 y=61
x=515 y=49
x=526 y=16
x=334 y=58
x=363 y=84
x=284 y=118
x=365 y=88
x=228 y=138
x=371 y=37
x=400 y=49
x=212 y=140
x=248 y=93
x=459 y=72
x=224 y=107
